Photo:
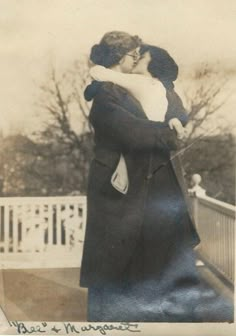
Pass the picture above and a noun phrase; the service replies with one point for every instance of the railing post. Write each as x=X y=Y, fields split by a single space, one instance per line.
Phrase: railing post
x=195 y=209
x=196 y=189
x=194 y=192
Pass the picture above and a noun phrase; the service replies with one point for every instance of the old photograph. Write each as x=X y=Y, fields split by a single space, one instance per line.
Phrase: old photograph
x=117 y=164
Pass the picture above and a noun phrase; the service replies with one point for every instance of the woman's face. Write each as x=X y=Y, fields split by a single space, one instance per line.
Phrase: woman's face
x=142 y=66
x=128 y=62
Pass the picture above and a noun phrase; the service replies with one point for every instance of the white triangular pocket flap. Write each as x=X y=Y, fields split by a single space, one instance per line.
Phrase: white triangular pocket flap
x=120 y=179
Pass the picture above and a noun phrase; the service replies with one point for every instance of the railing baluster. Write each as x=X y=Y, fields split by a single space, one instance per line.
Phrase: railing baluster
x=232 y=248
x=66 y=225
x=6 y=228
x=15 y=239
x=41 y=226
x=23 y=225
x=84 y=218
x=50 y=225
x=58 y=224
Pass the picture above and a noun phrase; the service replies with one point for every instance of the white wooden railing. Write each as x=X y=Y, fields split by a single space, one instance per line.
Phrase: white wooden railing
x=49 y=231
x=215 y=222
x=36 y=231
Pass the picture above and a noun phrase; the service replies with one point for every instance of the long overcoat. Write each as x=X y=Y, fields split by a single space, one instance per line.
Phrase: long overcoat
x=155 y=202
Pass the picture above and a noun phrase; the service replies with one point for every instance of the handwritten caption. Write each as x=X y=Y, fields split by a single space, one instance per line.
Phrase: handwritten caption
x=70 y=328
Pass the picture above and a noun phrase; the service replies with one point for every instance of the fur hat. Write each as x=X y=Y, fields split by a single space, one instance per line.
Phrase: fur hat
x=112 y=47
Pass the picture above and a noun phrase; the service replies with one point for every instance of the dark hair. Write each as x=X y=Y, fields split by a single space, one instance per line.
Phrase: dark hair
x=162 y=65
x=112 y=47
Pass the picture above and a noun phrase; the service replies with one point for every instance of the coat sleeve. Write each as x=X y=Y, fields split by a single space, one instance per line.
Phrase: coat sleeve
x=130 y=132
x=175 y=108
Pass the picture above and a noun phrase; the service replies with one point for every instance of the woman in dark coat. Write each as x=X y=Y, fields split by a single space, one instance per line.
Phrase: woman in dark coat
x=138 y=262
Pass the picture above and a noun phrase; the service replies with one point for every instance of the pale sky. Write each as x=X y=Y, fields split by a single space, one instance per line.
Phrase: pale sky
x=36 y=32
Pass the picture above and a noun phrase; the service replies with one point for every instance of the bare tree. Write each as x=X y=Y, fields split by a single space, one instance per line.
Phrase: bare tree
x=62 y=97
x=67 y=128
x=208 y=150
x=204 y=97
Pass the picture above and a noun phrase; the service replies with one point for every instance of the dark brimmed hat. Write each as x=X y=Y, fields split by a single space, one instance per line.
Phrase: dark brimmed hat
x=112 y=47
x=162 y=65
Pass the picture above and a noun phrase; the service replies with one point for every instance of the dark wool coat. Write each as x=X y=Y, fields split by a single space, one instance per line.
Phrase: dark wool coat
x=154 y=205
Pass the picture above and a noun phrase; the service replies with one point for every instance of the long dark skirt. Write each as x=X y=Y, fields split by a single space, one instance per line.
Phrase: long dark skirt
x=161 y=283
x=177 y=296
